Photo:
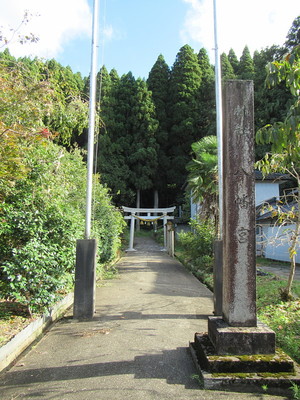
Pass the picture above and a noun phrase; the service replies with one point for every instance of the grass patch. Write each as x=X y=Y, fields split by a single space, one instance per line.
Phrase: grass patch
x=282 y=317
x=269 y=287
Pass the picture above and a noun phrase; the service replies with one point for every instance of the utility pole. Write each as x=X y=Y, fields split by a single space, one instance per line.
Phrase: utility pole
x=92 y=113
x=85 y=275
x=218 y=244
x=218 y=87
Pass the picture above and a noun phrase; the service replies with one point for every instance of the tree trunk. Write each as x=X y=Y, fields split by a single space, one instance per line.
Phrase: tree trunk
x=287 y=291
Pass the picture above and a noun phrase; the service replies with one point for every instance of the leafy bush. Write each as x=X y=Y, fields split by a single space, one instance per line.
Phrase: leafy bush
x=197 y=250
x=198 y=243
x=108 y=225
x=41 y=218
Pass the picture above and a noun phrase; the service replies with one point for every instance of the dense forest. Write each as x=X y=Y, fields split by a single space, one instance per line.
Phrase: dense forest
x=145 y=128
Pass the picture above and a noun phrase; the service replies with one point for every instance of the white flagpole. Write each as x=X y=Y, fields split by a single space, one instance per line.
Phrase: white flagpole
x=92 y=112
x=218 y=86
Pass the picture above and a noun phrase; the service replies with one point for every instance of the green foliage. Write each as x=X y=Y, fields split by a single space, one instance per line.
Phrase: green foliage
x=227 y=70
x=25 y=98
x=158 y=83
x=203 y=178
x=232 y=58
x=108 y=224
x=246 y=66
x=128 y=156
x=206 y=121
x=293 y=36
x=271 y=104
x=195 y=250
x=268 y=289
x=198 y=243
x=295 y=391
x=35 y=274
x=284 y=139
x=186 y=78
x=42 y=217
x=36 y=95
x=284 y=319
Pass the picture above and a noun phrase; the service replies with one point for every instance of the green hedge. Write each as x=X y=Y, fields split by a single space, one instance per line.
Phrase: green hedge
x=196 y=250
x=42 y=217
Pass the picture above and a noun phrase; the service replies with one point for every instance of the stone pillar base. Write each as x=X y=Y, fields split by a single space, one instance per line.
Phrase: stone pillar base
x=243 y=373
x=240 y=340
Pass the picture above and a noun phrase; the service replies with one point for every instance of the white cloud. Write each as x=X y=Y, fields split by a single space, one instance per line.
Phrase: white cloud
x=108 y=32
x=256 y=23
x=55 y=22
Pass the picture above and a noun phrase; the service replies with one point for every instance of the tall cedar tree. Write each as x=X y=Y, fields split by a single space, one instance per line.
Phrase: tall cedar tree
x=227 y=71
x=272 y=104
x=186 y=77
x=128 y=149
x=114 y=169
x=144 y=147
x=232 y=58
x=293 y=36
x=206 y=97
x=158 y=83
x=246 y=66
x=112 y=161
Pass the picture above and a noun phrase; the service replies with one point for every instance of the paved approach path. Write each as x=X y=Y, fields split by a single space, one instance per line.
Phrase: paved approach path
x=136 y=347
x=282 y=270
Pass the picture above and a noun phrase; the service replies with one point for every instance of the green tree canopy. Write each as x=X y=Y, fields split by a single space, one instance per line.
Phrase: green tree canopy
x=186 y=78
x=158 y=83
x=293 y=36
x=246 y=66
x=232 y=58
x=128 y=148
x=227 y=71
x=206 y=119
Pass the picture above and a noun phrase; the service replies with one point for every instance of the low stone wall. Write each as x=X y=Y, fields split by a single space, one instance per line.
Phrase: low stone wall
x=14 y=348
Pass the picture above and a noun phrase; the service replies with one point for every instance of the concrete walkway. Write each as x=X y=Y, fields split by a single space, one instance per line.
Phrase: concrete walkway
x=282 y=270
x=136 y=347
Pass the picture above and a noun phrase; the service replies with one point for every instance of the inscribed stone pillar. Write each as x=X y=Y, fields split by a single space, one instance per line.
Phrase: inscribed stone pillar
x=239 y=270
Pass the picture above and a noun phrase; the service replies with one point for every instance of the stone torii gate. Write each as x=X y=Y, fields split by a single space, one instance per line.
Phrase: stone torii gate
x=151 y=215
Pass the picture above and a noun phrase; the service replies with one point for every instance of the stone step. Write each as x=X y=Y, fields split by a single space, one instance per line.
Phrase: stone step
x=210 y=361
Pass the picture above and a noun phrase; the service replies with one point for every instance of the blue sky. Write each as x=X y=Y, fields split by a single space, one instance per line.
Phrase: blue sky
x=137 y=31
x=134 y=32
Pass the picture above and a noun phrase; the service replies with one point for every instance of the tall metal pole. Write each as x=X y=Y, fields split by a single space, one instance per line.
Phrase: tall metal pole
x=92 y=112
x=218 y=87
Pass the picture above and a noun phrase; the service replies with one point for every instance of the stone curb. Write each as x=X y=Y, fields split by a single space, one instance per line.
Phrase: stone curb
x=13 y=349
